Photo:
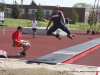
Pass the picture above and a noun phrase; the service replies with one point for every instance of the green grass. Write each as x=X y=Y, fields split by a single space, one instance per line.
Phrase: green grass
x=16 y=22
x=22 y=22
x=28 y=23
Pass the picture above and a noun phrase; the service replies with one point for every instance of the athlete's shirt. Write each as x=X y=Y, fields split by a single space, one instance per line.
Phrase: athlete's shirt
x=56 y=17
x=34 y=23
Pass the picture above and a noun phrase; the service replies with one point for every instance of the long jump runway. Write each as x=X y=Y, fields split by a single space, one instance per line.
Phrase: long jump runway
x=44 y=45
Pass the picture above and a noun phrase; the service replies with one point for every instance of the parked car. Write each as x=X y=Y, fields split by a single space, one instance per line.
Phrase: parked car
x=31 y=18
x=39 y=19
x=44 y=20
x=67 y=19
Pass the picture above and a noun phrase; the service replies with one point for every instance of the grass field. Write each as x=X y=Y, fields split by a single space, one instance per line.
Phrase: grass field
x=28 y=23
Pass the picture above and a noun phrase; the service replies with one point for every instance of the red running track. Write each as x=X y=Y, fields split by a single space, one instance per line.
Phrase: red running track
x=43 y=45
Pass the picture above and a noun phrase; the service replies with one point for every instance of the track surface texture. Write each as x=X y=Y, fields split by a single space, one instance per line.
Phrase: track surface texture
x=42 y=45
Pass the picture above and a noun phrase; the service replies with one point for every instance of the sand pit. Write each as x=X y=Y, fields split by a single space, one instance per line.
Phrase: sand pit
x=16 y=67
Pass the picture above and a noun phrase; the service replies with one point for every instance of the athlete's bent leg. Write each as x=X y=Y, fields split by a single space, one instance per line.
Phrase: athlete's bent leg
x=64 y=28
x=51 y=30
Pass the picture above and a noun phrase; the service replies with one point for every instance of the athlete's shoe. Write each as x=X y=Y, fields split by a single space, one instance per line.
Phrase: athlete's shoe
x=57 y=36
x=22 y=54
x=70 y=37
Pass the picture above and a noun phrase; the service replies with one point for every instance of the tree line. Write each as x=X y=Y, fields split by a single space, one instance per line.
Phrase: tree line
x=73 y=16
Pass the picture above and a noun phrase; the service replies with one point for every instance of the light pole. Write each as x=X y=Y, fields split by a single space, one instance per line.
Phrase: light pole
x=68 y=23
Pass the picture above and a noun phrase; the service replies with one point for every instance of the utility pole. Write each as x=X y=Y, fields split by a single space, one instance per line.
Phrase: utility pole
x=21 y=9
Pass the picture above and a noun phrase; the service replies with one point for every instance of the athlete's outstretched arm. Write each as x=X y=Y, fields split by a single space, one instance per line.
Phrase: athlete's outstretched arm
x=49 y=22
x=62 y=17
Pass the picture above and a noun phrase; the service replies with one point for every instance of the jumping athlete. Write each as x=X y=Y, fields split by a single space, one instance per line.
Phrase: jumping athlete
x=57 y=17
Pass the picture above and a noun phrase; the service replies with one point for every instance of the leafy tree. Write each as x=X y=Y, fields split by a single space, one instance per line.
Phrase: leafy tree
x=16 y=11
x=92 y=19
x=73 y=16
x=33 y=3
x=40 y=13
x=2 y=6
x=83 y=5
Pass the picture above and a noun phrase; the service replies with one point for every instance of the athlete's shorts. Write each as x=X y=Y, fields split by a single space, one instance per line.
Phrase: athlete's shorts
x=34 y=28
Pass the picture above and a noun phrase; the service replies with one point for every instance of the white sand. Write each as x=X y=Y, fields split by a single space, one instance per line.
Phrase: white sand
x=16 y=67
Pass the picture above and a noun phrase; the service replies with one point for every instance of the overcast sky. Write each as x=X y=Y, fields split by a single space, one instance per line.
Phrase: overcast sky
x=62 y=3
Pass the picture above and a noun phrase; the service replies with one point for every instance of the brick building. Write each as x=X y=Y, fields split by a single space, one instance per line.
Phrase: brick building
x=29 y=11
